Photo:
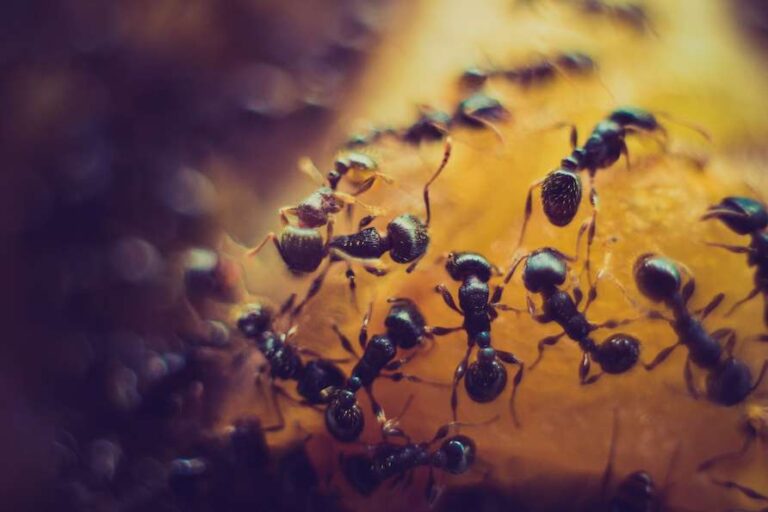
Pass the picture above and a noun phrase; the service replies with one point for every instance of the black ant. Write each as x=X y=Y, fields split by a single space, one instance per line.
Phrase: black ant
x=746 y=216
x=485 y=378
x=544 y=273
x=561 y=189
x=405 y=329
x=729 y=380
x=541 y=71
x=255 y=322
x=366 y=472
x=406 y=239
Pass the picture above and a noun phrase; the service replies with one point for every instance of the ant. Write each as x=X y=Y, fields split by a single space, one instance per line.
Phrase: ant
x=729 y=380
x=746 y=216
x=541 y=71
x=561 y=189
x=405 y=329
x=486 y=378
x=255 y=322
x=544 y=273
x=366 y=472
x=406 y=239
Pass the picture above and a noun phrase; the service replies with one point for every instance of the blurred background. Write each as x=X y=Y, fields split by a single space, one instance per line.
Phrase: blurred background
x=146 y=144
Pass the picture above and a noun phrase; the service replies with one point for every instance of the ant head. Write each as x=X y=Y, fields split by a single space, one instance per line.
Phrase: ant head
x=741 y=214
x=729 y=383
x=561 y=196
x=544 y=269
x=358 y=470
x=461 y=265
x=486 y=378
x=253 y=319
x=633 y=116
x=408 y=237
x=318 y=375
x=478 y=107
x=657 y=277
x=618 y=353
x=432 y=125
x=355 y=162
x=456 y=455
x=302 y=249
x=405 y=324
x=576 y=61
x=473 y=77
x=343 y=417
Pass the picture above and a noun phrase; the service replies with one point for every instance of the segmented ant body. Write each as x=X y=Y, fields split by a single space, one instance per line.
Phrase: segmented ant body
x=284 y=359
x=561 y=189
x=486 y=377
x=544 y=273
x=538 y=72
x=729 y=380
x=406 y=239
x=366 y=472
x=746 y=216
x=405 y=329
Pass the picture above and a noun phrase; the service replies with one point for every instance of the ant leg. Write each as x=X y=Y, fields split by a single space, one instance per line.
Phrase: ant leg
x=584 y=367
x=362 y=338
x=592 y=294
x=707 y=464
x=754 y=293
x=442 y=331
x=746 y=491
x=313 y=353
x=314 y=288
x=365 y=186
x=391 y=427
x=544 y=343
x=443 y=163
x=374 y=266
x=709 y=308
x=349 y=199
x=412 y=266
x=365 y=221
x=526 y=218
x=594 y=200
x=732 y=248
x=511 y=359
x=378 y=411
x=399 y=376
x=270 y=236
x=448 y=298
x=275 y=390
x=661 y=357
x=689 y=380
x=284 y=212
x=625 y=153
x=350 y=275
x=461 y=369
x=730 y=334
x=287 y=305
x=345 y=343
x=542 y=318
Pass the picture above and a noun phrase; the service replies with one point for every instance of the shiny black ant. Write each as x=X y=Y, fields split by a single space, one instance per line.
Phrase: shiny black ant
x=485 y=378
x=255 y=322
x=366 y=472
x=746 y=216
x=541 y=71
x=406 y=239
x=561 y=189
x=729 y=380
x=405 y=329
x=544 y=273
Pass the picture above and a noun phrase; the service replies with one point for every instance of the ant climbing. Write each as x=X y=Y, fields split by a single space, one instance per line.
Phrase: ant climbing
x=406 y=239
x=561 y=189
x=255 y=322
x=366 y=472
x=544 y=273
x=538 y=72
x=746 y=216
x=405 y=328
x=485 y=378
x=729 y=380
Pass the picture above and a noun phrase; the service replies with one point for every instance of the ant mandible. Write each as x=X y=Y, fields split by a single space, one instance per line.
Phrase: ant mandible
x=544 y=273
x=405 y=329
x=746 y=216
x=729 y=380
x=485 y=378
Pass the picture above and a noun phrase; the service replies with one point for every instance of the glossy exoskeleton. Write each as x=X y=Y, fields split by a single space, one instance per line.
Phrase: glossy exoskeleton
x=538 y=72
x=746 y=216
x=406 y=239
x=485 y=378
x=545 y=273
x=365 y=472
x=284 y=360
x=561 y=189
x=729 y=380
x=405 y=329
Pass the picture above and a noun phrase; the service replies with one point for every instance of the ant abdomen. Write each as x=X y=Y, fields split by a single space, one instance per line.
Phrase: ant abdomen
x=561 y=196
x=367 y=243
x=730 y=383
x=302 y=249
x=456 y=455
x=343 y=417
x=486 y=378
x=408 y=238
x=618 y=353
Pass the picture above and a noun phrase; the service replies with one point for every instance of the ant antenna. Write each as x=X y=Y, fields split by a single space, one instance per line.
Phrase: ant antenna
x=691 y=126
x=607 y=473
x=446 y=157
x=308 y=167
